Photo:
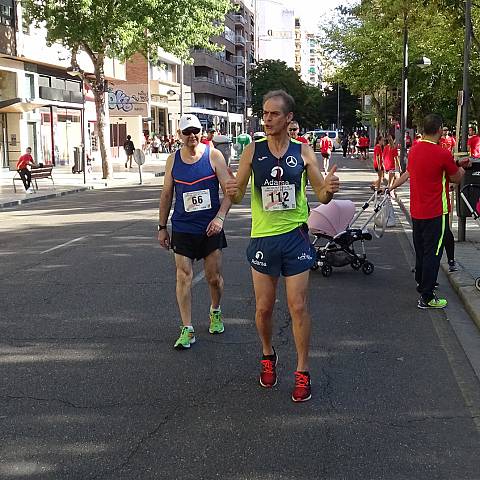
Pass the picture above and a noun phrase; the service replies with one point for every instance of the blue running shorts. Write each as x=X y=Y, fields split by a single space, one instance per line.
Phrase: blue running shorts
x=287 y=254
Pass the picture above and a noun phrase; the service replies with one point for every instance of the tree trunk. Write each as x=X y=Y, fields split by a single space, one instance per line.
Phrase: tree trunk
x=99 y=94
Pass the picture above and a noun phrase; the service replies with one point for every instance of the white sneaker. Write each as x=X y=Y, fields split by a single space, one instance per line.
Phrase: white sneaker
x=30 y=190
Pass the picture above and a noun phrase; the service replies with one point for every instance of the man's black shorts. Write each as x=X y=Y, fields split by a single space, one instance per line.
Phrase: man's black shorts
x=197 y=247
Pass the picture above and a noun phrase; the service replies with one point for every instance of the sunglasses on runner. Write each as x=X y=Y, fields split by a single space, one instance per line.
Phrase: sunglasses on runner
x=188 y=131
x=293 y=129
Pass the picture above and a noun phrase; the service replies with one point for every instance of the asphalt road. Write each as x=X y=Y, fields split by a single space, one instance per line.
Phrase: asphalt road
x=91 y=387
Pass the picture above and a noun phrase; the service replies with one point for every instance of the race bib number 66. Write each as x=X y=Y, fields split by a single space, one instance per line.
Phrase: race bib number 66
x=196 y=201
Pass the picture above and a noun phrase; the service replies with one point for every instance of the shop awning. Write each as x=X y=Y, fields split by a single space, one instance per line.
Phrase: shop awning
x=19 y=105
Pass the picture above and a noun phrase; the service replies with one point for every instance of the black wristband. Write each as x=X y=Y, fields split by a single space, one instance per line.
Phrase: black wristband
x=162 y=227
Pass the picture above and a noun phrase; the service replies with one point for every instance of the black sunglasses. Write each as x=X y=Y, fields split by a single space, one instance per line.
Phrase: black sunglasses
x=188 y=131
x=293 y=129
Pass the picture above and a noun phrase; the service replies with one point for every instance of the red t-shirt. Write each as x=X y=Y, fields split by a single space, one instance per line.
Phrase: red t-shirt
x=448 y=143
x=24 y=160
x=429 y=166
x=473 y=144
x=363 y=142
x=207 y=142
x=302 y=139
x=389 y=155
x=377 y=156
x=325 y=145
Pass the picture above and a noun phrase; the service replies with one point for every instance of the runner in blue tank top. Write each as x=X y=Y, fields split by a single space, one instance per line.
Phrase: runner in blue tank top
x=279 y=168
x=193 y=174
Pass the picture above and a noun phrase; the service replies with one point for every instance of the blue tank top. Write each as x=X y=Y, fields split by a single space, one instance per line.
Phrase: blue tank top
x=196 y=194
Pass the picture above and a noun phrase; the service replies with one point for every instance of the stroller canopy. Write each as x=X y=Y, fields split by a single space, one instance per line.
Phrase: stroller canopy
x=332 y=218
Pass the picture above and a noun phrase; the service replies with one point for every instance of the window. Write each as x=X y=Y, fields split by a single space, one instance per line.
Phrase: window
x=73 y=86
x=29 y=86
x=43 y=81
x=58 y=83
x=6 y=13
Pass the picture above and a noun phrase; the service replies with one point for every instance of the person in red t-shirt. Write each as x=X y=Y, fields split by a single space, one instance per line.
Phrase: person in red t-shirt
x=293 y=130
x=326 y=146
x=23 y=164
x=446 y=140
x=378 y=161
x=208 y=140
x=429 y=166
x=473 y=143
x=390 y=159
x=363 y=143
x=418 y=137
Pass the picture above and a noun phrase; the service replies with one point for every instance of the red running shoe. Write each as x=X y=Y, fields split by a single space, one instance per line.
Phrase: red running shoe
x=268 y=375
x=302 y=391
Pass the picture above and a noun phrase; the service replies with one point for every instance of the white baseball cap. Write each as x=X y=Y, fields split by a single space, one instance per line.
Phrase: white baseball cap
x=189 y=121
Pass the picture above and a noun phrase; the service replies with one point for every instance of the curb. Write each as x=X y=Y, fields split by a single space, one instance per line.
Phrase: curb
x=461 y=281
x=16 y=203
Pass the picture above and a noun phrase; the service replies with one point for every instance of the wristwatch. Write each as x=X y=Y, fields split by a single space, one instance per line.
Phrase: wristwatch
x=162 y=227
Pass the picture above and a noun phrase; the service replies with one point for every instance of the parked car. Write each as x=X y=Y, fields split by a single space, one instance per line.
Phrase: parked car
x=258 y=135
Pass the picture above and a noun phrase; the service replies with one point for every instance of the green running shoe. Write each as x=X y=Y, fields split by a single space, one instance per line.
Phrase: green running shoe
x=433 y=303
x=186 y=338
x=216 y=324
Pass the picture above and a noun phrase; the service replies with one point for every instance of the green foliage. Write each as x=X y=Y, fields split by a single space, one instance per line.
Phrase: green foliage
x=120 y=28
x=367 y=41
x=314 y=108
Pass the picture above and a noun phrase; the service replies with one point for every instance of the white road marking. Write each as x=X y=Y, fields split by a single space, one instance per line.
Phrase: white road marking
x=63 y=244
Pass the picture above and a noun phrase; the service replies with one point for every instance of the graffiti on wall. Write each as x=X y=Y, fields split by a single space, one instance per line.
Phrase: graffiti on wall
x=128 y=100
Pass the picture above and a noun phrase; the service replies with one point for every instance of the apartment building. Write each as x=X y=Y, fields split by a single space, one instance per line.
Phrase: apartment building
x=42 y=106
x=302 y=51
x=275 y=31
x=219 y=84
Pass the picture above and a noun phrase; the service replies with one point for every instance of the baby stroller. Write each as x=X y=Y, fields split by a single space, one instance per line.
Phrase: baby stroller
x=475 y=213
x=334 y=222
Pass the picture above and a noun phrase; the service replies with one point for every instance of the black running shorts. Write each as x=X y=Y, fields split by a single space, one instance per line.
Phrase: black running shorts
x=197 y=247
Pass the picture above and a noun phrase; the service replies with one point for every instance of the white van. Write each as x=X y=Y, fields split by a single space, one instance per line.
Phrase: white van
x=332 y=135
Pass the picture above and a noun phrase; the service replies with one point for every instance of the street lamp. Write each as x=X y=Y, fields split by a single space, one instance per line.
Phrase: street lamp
x=422 y=63
x=224 y=101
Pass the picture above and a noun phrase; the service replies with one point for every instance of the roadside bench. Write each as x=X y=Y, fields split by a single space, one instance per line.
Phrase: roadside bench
x=37 y=173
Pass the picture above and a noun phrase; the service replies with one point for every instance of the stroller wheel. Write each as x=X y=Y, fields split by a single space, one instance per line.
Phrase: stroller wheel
x=367 y=268
x=326 y=270
x=356 y=263
x=477 y=283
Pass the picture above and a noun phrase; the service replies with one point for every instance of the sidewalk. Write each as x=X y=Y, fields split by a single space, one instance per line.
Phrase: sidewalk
x=67 y=182
x=467 y=255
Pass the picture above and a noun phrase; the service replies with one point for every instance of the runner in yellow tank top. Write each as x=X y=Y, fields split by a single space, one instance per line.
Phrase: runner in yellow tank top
x=279 y=243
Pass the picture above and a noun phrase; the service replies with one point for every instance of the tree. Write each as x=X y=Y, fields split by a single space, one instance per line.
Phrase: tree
x=314 y=108
x=120 y=28
x=367 y=41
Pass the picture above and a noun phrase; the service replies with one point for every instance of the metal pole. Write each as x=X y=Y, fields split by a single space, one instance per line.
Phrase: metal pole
x=181 y=87
x=228 y=118
x=386 y=111
x=82 y=126
x=404 y=113
x=338 y=105
x=462 y=221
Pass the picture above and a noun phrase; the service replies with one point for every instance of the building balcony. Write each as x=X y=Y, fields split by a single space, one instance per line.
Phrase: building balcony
x=59 y=95
x=208 y=86
x=239 y=40
x=237 y=60
x=239 y=19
